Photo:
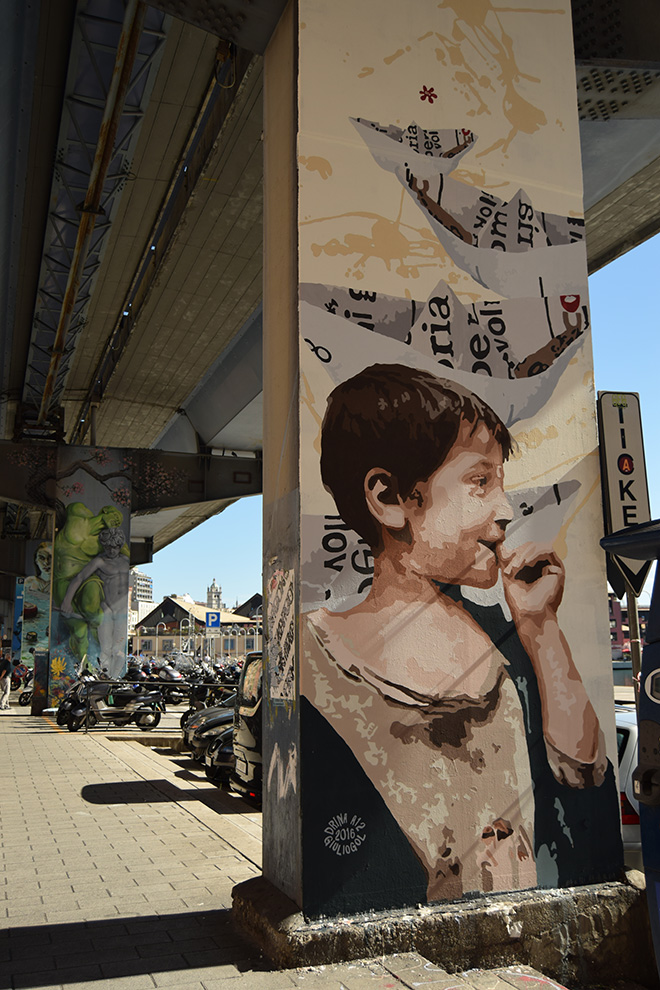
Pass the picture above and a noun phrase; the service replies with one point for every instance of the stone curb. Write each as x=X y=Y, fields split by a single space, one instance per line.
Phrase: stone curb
x=588 y=935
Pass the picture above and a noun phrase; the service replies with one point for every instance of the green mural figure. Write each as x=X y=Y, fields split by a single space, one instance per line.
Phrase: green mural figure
x=77 y=544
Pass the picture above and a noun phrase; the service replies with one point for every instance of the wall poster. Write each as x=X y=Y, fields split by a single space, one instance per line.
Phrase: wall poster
x=457 y=730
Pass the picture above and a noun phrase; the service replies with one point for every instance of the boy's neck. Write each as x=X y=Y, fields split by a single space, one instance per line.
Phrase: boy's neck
x=395 y=584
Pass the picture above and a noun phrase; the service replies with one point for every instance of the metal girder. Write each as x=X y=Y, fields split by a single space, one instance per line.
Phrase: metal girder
x=158 y=479
x=213 y=112
x=114 y=56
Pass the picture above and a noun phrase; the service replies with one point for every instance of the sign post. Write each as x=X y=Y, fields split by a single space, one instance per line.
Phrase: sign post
x=626 y=499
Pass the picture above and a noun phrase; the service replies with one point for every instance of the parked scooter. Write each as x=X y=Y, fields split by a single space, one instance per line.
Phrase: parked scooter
x=116 y=703
x=18 y=675
x=25 y=697
x=73 y=697
x=178 y=692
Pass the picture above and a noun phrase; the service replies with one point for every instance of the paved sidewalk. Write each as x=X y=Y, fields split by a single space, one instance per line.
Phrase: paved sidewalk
x=118 y=863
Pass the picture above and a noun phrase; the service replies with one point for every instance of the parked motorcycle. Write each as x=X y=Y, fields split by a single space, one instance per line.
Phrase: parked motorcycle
x=116 y=703
x=25 y=697
x=18 y=676
x=178 y=692
x=134 y=672
x=73 y=697
x=205 y=690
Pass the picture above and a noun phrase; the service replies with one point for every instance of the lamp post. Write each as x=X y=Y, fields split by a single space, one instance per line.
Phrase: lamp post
x=185 y=621
x=158 y=649
x=234 y=632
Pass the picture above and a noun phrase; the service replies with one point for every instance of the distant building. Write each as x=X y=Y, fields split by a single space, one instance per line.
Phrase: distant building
x=140 y=596
x=619 y=628
x=178 y=625
x=142 y=588
x=143 y=609
x=214 y=597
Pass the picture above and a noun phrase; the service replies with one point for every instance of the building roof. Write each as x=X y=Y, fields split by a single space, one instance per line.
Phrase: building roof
x=198 y=611
x=250 y=606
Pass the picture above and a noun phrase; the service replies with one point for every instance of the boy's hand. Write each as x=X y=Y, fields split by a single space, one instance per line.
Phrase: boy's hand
x=533 y=578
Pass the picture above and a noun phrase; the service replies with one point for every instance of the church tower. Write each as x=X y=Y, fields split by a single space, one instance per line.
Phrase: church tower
x=214 y=597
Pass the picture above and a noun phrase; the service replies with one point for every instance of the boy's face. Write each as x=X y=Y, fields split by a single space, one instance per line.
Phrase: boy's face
x=458 y=520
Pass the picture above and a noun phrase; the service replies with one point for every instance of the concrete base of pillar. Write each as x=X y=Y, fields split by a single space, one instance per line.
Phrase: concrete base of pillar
x=586 y=935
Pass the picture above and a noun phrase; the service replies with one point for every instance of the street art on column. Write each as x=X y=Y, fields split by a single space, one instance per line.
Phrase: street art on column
x=457 y=729
x=91 y=565
x=17 y=630
x=36 y=603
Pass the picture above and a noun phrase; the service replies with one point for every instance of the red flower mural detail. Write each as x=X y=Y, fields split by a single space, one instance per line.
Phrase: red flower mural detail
x=77 y=488
x=122 y=496
x=428 y=93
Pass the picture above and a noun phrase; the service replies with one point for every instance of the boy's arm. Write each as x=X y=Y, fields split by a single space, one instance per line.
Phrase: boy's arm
x=533 y=580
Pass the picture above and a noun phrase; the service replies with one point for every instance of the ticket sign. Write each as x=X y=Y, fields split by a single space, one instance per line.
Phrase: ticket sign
x=213 y=620
x=625 y=489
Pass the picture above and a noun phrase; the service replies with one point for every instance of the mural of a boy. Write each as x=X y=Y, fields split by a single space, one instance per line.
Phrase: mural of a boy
x=444 y=710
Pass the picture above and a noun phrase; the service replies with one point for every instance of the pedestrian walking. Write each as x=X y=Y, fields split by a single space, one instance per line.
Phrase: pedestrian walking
x=5 y=682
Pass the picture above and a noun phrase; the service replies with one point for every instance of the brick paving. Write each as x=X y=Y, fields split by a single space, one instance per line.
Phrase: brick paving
x=117 y=866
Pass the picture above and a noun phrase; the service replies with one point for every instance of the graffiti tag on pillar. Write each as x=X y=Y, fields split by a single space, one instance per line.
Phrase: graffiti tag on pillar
x=344 y=836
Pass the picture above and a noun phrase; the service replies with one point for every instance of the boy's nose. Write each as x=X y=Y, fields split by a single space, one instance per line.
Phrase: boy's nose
x=502 y=510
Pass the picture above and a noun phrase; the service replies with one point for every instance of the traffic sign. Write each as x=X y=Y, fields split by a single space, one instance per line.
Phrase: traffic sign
x=625 y=488
x=213 y=620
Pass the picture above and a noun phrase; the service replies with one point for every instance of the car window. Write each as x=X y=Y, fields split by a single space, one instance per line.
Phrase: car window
x=622 y=736
x=251 y=683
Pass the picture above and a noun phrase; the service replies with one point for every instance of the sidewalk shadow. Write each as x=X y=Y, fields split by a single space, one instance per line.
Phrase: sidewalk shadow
x=62 y=954
x=161 y=790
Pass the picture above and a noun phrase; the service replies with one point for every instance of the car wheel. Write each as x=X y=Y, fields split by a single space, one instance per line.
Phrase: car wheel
x=186 y=715
x=216 y=775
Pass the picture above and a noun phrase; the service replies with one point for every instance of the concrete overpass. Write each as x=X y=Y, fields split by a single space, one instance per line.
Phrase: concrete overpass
x=131 y=216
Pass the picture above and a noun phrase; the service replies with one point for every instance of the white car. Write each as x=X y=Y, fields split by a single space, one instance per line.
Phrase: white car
x=626 y=738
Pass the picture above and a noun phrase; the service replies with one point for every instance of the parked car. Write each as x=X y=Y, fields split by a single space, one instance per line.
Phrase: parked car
x=626 y=737
x=246 y=778
x=219 y=757
x=198 y=730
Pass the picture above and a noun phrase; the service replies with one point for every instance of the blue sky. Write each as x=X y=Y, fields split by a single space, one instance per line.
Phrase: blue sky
x=625 y=315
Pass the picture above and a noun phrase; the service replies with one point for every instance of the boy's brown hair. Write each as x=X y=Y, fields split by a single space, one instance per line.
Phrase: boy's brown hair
x=398 y=418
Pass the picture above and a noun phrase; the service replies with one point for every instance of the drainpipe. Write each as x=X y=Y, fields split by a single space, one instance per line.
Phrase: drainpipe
x=121 y=75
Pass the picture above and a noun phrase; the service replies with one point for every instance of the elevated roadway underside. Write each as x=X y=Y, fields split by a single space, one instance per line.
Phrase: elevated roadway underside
x=148 y=334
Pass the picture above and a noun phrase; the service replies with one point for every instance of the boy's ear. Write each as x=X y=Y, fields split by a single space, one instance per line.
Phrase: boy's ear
x=383 y=500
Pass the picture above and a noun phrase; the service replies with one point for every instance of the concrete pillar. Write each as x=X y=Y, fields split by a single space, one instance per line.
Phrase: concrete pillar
x=438 y=694
x=281 y=500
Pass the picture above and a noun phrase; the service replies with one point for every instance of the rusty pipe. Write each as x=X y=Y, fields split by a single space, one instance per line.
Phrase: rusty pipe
x=114 y=105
